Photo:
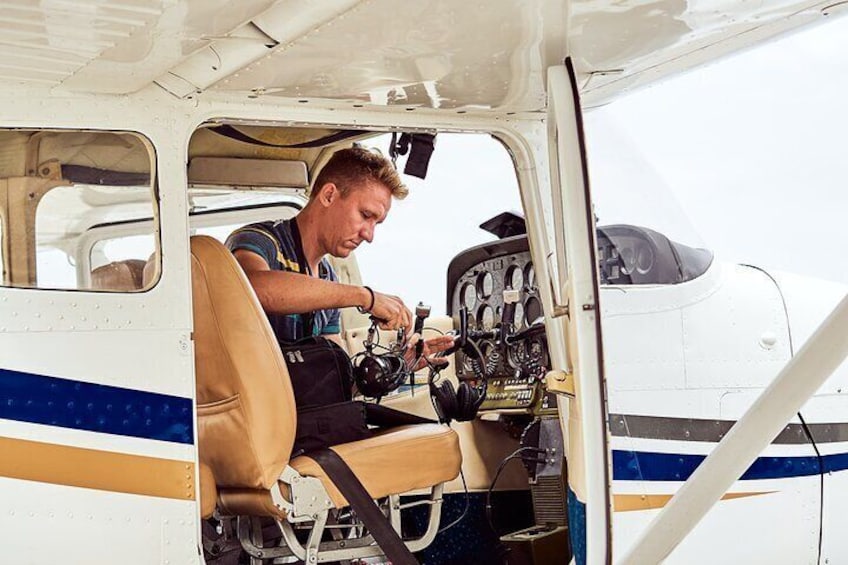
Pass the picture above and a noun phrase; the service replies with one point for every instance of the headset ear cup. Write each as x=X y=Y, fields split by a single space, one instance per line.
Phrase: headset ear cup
x=462 y=402
x=450 y=398
x=468 y=401
x=445 y=397
x=479 y=397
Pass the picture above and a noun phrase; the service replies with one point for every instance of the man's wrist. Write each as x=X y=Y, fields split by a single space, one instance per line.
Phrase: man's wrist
x=367 y=303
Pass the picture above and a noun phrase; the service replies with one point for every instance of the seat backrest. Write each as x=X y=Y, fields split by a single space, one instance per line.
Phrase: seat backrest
x=118 y=275
x=245 y=406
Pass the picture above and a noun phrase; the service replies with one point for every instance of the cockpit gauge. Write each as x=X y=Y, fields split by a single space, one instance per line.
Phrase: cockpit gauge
x=518 y=322
x=485 y=285
x=530 y=276
x=485 y=318
x=514 y=278
x=468 y=296
x=518 y=354
x=536 y=350
x=532 y=310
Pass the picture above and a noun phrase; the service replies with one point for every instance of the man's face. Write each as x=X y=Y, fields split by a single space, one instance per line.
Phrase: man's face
x=351 y=219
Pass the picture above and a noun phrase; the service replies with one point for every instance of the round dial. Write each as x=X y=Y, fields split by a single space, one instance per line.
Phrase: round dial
x=532 y=310
x=518 y=354
x=530 y=276
x=536 y=351
x=514 y=278
x=485 y=285
x=519 y=316
x=485 y=318
x=468 y=296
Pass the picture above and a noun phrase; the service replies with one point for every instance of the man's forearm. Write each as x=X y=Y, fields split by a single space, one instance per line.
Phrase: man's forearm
x=292 y=293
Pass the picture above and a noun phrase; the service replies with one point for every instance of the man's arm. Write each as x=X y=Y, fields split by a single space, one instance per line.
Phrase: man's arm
x=302 y=293
x=283 y=292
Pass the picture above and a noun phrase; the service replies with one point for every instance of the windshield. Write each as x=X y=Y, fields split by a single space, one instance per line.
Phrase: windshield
x=746 y=156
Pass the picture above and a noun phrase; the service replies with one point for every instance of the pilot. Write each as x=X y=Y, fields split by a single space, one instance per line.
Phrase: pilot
x=285 y=260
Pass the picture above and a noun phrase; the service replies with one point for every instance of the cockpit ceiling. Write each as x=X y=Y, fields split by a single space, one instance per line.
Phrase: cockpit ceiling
x=431 y=53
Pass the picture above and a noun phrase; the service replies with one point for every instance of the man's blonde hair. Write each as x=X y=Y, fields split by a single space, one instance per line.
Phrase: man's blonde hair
x=353 y=167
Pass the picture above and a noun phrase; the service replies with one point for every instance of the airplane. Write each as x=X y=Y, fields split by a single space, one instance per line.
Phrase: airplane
x=678 y=409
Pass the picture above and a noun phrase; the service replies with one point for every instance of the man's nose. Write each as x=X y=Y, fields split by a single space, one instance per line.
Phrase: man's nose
x=367 y=233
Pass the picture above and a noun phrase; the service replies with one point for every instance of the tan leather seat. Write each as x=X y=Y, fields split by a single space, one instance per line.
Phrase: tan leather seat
x=208 y=491
x=246 y=410
x=395 y=461
x=118 y=275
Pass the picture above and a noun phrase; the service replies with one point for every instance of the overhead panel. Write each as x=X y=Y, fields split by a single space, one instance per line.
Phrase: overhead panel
x=48 y=41
x=115 y=46
x=433 y=54
x=428 y=54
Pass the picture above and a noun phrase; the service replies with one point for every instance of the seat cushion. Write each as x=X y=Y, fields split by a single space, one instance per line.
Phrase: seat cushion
x=208 y=491
x=395 y=461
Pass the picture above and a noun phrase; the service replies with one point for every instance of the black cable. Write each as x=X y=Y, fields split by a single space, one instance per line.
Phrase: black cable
x=464 y=510
x=809 y=435
x=501 y=467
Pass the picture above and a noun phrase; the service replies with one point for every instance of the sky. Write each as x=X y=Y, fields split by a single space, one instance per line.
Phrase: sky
x=752 y=148
x=745 y=156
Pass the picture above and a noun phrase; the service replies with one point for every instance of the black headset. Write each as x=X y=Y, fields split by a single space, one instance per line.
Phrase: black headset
x=461 y=403
x=376 y=375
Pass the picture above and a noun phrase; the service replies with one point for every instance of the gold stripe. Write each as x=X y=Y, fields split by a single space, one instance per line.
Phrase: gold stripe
x=101 y=470
x=634 y=502
x=293 y=265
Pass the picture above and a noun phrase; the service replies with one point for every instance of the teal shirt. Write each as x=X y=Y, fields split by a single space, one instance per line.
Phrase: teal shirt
x=279 y=244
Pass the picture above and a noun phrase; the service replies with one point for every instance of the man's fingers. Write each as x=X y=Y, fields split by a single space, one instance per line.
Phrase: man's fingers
x=438 y=344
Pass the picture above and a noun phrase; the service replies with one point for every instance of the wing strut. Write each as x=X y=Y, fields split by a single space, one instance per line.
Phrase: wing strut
x=826 y=349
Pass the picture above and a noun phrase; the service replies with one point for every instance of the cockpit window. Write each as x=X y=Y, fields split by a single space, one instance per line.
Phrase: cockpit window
x=54 y=187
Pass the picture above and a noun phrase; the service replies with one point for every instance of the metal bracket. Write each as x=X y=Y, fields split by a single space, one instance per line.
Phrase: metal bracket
x=309 y=498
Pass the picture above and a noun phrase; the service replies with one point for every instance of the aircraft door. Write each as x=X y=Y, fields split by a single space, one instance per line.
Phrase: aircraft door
x=96 y=371
x=573 y=324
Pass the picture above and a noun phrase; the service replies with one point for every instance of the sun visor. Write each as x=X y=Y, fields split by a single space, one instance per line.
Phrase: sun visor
x=247 y=172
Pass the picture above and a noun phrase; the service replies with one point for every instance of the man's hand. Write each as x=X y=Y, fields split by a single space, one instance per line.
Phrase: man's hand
x=390 y=311
x=432 y=346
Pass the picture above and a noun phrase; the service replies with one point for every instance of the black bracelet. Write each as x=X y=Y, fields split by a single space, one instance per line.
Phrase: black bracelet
x=371 y=307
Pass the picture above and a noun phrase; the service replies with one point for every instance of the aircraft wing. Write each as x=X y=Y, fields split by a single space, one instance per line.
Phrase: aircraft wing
x=460 y=56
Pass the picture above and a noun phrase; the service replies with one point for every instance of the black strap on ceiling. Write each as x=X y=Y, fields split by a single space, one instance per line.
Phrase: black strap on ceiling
x=81 y=174
x=420 y=148
x=231 y=132
x=364 y=506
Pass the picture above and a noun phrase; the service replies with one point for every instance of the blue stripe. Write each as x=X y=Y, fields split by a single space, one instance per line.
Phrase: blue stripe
x=647 y=466
x=577 y=527
x=38 y=399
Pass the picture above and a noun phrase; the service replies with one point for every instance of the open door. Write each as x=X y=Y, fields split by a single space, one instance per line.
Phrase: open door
x=575 y=314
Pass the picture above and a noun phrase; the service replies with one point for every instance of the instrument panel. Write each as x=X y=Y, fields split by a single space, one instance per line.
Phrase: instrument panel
x=517 y=359
x=480 y=290
x=518 y=363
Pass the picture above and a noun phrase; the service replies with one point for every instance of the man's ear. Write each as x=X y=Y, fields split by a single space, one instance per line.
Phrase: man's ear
x=328 y=193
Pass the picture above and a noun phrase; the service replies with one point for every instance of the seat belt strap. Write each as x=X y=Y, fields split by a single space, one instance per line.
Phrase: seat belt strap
x=374 y=519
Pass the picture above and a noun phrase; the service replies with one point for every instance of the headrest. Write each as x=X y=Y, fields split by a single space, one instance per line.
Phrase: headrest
x=118 y=275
